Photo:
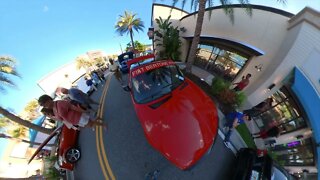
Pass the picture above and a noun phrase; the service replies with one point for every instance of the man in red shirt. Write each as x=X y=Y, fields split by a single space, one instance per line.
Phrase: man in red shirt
x=243 y=83
x=65 y=111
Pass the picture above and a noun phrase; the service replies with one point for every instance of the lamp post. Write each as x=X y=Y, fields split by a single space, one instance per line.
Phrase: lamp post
x=151 y=33
x=151 y=36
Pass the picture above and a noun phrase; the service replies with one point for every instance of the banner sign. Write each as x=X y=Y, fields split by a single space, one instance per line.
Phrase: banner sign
x=145 y=68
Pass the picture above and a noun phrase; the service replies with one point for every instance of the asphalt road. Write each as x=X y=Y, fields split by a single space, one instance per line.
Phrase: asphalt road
x=127 y=152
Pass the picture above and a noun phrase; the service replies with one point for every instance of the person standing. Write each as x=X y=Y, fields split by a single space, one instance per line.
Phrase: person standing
x=49 y=113
x=261 y=107
x=243 y=83
x=234 y=119
x=76 y=95
x=95 y=77
x=92 y=86
x=264 y=134
x=114 y=67
x=65 y=111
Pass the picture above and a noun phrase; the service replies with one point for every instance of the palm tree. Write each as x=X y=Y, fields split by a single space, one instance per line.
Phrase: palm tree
x=83 y=63
x=7 y=69
x=127 y=23
x=23 y=122
x=201 y=10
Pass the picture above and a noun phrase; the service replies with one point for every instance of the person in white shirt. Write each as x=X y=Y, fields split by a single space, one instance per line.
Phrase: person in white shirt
x=114 y=67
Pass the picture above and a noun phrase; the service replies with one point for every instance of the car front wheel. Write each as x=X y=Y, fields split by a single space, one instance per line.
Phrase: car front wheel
x=73 y=155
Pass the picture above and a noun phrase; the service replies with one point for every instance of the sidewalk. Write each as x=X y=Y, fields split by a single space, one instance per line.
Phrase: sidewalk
x=235 y=139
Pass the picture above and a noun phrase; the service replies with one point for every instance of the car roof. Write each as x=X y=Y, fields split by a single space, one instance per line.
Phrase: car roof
x=139 y=59
x=141 y=63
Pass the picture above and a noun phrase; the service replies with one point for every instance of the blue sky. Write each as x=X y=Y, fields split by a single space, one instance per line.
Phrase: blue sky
x=42 y=35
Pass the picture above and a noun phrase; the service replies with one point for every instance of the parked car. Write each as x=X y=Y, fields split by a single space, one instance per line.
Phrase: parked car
x=178 y=118
x=250 y=164
x=67 y=151
x=123 y=59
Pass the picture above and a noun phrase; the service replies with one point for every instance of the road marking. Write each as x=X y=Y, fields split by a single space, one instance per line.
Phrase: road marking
x=97 y=139
x=101 y=131
x=104 y=163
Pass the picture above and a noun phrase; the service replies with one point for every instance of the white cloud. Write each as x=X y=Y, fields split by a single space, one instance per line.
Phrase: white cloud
x=45 y=8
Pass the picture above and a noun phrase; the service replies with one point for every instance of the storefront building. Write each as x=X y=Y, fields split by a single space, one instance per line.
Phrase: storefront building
x=282 y=52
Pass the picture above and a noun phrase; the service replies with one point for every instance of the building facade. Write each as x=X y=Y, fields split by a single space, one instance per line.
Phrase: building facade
x=282 y=53
x=68 y=74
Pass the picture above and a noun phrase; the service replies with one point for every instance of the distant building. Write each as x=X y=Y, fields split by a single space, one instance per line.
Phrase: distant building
x=63 y=76
x=68 y=74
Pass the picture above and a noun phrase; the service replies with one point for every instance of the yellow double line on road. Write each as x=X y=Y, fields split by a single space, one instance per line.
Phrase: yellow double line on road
x=105 y=167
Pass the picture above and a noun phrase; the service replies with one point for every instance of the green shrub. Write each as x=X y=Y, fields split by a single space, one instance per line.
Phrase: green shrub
x=220 y=88
x=219 y=85
x=246 y=135
x=52 y=173
x=240 y=98
x=167 y=37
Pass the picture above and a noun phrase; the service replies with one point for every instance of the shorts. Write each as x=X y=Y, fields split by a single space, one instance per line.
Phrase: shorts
x=263 y=134
x=84 y=119
x=118 y=75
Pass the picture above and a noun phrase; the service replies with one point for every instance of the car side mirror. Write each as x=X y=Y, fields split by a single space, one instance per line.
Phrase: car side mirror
x=127 y=88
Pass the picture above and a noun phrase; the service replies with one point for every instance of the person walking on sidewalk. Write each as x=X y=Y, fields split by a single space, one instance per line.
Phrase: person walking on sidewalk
x=234 y=119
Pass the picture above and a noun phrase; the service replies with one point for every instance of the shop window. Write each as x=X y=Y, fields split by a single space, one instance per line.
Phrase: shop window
x=296 y=153
x=219 y=61
x=283 y=113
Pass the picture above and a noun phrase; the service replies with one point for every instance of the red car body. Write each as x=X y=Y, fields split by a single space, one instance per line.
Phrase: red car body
x=67 y=143
x=67 y=150
x=181 y=124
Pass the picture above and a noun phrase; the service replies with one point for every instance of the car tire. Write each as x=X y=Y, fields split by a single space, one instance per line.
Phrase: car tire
x=73 y=155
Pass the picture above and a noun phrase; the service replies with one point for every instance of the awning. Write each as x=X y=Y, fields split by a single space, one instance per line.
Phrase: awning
x=310 y=100
x=32 y=132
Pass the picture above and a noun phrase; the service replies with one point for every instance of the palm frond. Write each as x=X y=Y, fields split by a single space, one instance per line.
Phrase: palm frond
x=5 y=81
x=282 y=1
x=227 y=9
x=210 y=4
x=183 y=3
x=174 y=2
x=246 y=4
x=195 y=5
x=7 y=69
x=128 y=22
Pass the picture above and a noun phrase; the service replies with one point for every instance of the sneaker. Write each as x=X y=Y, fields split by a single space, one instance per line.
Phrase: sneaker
x=227 y=144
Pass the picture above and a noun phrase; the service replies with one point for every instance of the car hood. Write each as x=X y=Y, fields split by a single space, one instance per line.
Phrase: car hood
x=183 y=126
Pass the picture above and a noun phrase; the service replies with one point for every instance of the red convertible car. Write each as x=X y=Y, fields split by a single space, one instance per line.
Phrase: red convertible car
x=178 y=118
x=67 y=150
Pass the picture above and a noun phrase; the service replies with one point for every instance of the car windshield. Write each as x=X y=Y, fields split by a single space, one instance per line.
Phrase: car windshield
x=155 y=83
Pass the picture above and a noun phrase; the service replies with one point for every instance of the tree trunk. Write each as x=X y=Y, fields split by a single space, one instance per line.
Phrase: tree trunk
x=132 y=42
x=25 y=123
x=2 y=135
x=196 y=37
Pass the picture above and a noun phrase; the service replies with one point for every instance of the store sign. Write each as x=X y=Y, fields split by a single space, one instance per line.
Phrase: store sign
x=293 y=143
x=143 y=69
